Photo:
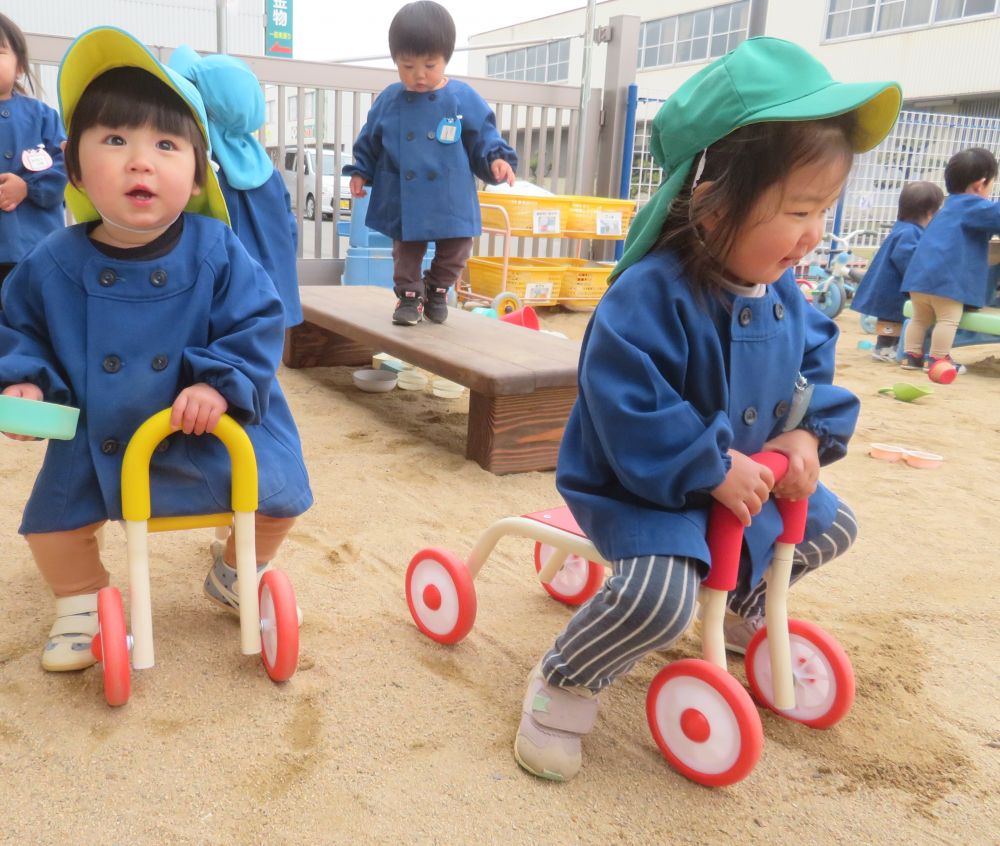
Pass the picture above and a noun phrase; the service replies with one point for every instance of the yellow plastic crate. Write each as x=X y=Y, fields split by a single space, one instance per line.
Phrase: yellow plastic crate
x=535 y=281
x=597 y=217
x=522 y=209
x=583 y=282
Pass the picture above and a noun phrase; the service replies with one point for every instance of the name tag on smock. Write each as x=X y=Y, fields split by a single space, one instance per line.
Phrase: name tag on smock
x=449 y=130
x=36 y=159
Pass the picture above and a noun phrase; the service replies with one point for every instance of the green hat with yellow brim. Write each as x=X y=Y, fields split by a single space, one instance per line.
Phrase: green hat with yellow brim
x=763 y=79
x=101 y=49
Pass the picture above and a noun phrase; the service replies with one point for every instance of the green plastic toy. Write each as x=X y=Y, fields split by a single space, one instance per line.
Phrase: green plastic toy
x=38 y=419
x=905 y=392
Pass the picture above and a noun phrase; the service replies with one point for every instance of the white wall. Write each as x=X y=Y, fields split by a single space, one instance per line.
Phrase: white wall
x=943 y=61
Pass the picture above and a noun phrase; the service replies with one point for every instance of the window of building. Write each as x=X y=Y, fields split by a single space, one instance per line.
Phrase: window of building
x=848 y=18
x=694 y=36
x=538 y=63
x=310 y=104
x=293 y=107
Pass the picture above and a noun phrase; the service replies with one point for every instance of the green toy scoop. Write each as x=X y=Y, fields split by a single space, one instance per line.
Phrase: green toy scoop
x=905 y=392
x=38 y=419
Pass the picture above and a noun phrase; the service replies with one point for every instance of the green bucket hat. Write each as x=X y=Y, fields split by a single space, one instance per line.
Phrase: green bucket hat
x=764 y=79
x=105 y=47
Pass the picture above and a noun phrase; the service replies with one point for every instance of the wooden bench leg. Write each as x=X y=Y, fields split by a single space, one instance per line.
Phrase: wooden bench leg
x=518 y=434
x=307 y=345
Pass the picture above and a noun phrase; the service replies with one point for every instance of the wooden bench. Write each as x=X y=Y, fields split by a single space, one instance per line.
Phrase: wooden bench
x=522 y=382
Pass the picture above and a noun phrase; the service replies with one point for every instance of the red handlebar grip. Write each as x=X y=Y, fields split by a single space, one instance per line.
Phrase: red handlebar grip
x=725 y=531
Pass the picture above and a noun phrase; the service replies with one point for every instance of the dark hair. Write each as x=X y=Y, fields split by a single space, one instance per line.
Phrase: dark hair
x=133 y=97
x=967 y=167
x=423 y=28
x=12 y=37
x=919 y=199
x=741 y=167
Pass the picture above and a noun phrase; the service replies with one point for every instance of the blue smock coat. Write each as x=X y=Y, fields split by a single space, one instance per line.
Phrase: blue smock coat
x=667 y=385
x=880 y=293
x=952 y=259
x=120 y=339
x=24 y=124
x=263 y=220
x=423 y=190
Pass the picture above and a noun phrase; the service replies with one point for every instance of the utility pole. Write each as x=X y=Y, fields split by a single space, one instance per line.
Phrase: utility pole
x=221 y=26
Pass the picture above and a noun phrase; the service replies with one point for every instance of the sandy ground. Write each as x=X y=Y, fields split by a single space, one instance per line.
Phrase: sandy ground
x=386 y=737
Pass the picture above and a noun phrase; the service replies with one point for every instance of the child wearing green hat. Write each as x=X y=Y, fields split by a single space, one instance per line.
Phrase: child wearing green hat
x=701 y=353
x=148 y=302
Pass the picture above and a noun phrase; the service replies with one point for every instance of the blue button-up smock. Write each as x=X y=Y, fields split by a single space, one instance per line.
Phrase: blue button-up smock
x=263 y=220
x=26 y=123
x=423 y=189
x=881 y=291
x=120 y=339
x=952 y=259
x=669 y=383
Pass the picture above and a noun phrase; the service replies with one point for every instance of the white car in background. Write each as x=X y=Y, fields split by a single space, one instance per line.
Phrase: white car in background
x=290 y=171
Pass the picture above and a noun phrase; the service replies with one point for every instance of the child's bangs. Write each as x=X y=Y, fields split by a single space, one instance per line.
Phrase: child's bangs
x=131 y=97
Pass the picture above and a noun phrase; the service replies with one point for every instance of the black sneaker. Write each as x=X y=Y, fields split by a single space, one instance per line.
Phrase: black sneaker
x=436 y=306
x=911 y=361
x=409 y=311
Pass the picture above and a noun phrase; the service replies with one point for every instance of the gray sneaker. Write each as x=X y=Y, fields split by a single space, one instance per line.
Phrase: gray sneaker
x=220 y=584
x=739 y=631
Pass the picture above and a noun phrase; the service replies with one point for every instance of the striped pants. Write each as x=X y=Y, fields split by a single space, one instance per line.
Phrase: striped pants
x=648 y=602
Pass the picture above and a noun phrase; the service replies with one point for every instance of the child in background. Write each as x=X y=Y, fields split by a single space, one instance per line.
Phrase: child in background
x=142 y=306
x=32 y=176
x=260 y=209
x=701 y=353
x=424 y=143
x=950 y=267
x=880 y=292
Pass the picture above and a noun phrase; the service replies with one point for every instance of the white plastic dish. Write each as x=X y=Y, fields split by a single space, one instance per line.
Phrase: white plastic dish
x=374 y=381
x=446 y=389
x=411 y=380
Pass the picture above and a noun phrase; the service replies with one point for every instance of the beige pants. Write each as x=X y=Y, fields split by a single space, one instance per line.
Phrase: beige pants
x=71 y=561
x=930 y=310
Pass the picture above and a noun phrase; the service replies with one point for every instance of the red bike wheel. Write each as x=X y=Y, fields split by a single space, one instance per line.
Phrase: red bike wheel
x=704 y=722
x=279 y=625
x=441 y=595
x=822 y=672
x=110 y=646
x=577 y=579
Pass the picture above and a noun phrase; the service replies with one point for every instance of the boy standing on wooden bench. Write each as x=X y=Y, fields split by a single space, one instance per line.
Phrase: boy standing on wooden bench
x=426 y=140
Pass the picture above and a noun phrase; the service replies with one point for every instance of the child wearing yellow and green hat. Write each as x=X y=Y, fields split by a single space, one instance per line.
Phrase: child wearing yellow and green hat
x=703 y=352
x=150 y=301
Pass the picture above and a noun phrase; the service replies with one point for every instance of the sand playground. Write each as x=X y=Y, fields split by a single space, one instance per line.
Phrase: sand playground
x=386 y=737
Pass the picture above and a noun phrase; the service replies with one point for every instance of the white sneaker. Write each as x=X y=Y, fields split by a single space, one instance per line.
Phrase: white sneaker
x=68 y=646
x=885 y=354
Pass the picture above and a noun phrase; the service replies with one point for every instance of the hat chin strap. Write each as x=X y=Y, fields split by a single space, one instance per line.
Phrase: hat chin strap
x=138 y=231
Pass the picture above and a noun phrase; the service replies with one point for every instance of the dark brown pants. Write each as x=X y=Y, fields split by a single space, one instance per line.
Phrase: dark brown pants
x=450 y=256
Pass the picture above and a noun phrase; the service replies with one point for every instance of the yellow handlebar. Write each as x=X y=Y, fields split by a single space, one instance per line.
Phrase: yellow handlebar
x=135 y=466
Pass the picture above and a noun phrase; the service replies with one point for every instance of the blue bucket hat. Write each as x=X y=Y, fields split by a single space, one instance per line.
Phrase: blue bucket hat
x=102 y=49
x=763 y=79
x=235 y=106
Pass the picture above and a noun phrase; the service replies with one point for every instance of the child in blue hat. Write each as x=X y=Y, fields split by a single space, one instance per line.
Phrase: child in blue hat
x=881 y=291
x=703 y=352
x=950 y=267
x=32 y=176
x=260 y=209
x=426 y=141
x=149 y=302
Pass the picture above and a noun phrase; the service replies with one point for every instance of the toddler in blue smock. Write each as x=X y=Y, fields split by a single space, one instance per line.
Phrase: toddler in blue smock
x=703 y=352
x=149 y=302
x=949 y=270
x=32 y=176
x=881 y=292
x=426 y=140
